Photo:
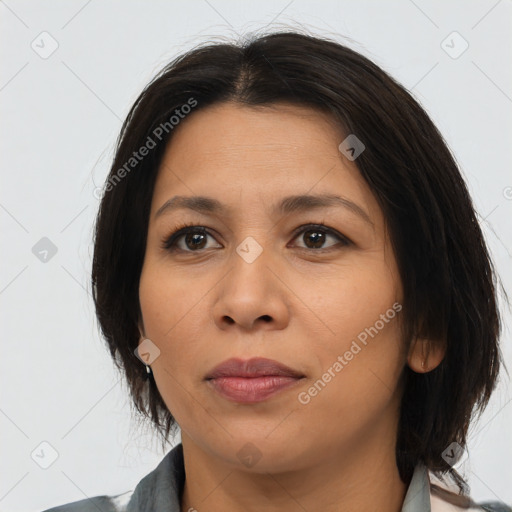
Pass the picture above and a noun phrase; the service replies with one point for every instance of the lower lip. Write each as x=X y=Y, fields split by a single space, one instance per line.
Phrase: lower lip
x=251 y=389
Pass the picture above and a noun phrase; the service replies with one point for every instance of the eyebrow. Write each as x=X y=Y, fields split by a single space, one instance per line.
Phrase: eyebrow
x=289 y=204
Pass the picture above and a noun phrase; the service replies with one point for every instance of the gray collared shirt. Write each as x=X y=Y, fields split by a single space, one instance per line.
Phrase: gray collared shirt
x=160 y=491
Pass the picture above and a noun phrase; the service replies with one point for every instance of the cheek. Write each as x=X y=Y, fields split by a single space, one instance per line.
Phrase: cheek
x=167 y=300
x=350 y=300
x=163 y=304
x=174 y=321
x=358 y=315
x=356 y=383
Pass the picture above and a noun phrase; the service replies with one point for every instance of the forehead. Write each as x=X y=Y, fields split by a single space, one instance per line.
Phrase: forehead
x=241 y=153
x=232 y=130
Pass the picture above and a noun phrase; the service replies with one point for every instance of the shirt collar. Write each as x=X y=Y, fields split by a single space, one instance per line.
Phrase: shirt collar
x=162 y=488
x=417 y=498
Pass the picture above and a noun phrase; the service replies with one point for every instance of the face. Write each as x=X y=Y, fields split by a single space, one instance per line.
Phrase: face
x=265 y=281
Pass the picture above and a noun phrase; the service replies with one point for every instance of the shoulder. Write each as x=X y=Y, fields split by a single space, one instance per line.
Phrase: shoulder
x=444 y=500
x=495 y=506
x=104 y=503
x=159 y=490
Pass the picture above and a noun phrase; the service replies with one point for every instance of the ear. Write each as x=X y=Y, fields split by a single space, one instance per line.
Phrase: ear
x=425 y=355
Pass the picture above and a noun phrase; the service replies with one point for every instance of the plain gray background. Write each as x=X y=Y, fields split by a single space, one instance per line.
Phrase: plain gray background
x=60 y=116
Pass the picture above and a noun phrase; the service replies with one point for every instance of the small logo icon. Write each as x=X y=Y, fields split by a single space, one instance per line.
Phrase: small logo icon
x=147 y=351
x=44 y=45
x=44 y=455
x=44 y=250
x=455 y=455
x=249 y=249
x=351 y=147
x=454 y=45
x=249 y=455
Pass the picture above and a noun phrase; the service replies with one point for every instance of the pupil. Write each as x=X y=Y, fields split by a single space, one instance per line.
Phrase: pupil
x=192 y=239
x=318 y=238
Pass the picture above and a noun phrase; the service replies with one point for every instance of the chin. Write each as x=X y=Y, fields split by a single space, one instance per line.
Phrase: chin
x=260 y=454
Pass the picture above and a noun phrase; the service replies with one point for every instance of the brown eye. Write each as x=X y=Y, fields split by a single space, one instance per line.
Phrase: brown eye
x=195 y=240
x=314 y=237
x=187 y=239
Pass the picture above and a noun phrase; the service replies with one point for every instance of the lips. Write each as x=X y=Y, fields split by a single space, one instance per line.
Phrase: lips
x=252 y=368
x=253 y=380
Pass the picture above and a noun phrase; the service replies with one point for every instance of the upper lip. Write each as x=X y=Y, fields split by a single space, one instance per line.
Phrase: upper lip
x=254 y=367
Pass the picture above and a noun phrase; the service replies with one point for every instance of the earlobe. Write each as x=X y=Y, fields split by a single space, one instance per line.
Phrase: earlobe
x=425 y=355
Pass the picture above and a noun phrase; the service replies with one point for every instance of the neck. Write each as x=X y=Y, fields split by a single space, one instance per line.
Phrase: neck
x=365 y=477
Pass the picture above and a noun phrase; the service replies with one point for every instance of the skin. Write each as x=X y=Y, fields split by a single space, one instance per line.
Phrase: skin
x=294 y=303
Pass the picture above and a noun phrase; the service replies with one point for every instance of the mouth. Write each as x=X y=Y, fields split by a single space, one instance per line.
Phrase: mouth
x=253 y=380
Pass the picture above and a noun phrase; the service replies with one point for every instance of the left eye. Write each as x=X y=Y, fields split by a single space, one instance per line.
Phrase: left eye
x=195 y=238
x=315 y=236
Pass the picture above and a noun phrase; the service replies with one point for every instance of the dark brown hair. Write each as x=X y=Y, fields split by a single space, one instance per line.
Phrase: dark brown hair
x=448 y=279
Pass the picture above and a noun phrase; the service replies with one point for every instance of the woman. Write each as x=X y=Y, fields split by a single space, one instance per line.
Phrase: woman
x=287 y=244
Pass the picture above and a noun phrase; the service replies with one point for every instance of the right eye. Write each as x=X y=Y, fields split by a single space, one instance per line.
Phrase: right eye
x=193 y=237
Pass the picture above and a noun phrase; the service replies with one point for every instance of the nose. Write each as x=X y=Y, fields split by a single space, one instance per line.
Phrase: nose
x=251 y=296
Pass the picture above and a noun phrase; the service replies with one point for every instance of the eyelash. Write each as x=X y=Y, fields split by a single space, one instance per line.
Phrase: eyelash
x=169 y=242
